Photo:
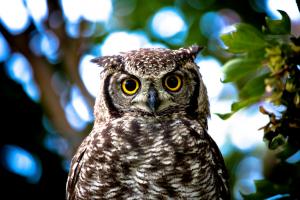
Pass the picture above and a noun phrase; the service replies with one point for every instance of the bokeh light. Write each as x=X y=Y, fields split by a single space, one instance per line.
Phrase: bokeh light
x=78 y=101
x=73 y=118
x=35 y=43
x=4 y=48
x=45 y=43
x=229 y=18
x=77 y=110
x=49 y=45
x=72 y=29
x=38 y=11
x=71 y=9
x=168 y=24
x=123 y=41
x=279 y=196
x=56 y=144
x=295 y=158
x=91 y=10
x=211 y=24
x=90 y=74
x=14 y=16
x=21 y=162
x=18 y=68
x=248 y=170
x=275 y=109
x=96 y=10
x=211 y=71
x=218 y=128
x=246 y=135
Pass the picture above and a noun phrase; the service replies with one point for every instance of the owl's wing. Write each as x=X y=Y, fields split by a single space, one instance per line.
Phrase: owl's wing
x=218 y=162
x=75 y=169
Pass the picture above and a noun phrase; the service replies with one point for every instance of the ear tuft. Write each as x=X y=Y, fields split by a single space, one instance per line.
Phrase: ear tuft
x=194 y=50
x=115 y=61
x=187 y=54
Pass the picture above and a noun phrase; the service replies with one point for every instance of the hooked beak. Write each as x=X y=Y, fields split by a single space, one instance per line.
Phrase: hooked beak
x=153 y=100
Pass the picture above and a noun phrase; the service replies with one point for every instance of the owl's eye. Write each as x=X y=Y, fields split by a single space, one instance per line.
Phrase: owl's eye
x=130 y=86
x=173 y=83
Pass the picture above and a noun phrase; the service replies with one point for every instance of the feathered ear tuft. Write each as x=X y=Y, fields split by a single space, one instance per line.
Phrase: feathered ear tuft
x=106 y=62
x=187 y=54
x=194 y=50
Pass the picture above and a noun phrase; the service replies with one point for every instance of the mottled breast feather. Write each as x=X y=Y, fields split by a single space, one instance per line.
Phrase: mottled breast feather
x=132 y=159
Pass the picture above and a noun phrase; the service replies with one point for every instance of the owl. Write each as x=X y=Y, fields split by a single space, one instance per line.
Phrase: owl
x=149 y=139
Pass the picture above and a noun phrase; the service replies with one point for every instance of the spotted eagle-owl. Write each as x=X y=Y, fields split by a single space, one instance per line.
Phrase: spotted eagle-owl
x=149 y=139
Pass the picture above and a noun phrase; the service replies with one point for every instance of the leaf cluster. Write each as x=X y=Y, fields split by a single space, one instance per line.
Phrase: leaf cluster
x=266 y=68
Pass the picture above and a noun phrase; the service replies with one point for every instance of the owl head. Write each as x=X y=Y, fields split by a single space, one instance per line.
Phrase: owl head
x=154 y=82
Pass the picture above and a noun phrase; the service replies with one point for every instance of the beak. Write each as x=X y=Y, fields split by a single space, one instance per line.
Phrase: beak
x=153 y=100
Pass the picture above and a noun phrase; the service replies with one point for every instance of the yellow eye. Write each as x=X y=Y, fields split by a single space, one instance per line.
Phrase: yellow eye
x=173 y=83
x=130 y=86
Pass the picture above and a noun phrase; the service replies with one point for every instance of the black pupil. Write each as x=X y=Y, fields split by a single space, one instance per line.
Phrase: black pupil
x=172 y=82
x=130 y=85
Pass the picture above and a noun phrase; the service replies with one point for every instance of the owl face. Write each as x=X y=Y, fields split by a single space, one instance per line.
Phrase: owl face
x=168 y=91
x=155 y=82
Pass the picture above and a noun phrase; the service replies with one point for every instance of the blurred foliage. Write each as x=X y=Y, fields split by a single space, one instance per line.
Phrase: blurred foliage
x=266 y=67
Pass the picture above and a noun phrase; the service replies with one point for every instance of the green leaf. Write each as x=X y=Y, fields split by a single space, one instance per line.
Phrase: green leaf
x=244 y=39
x=237 y=106
x=259 y=54
x=279 y=27
x=254 y=88
x=225 y=115
x=238 y=68
x=244 y=103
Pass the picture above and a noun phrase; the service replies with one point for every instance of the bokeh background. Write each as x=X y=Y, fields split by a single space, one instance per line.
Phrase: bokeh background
x=48 y=85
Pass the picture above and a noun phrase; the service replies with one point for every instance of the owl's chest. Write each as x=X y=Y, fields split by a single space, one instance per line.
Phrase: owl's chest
x=147 y=141
x=157 y=149
x=160 y=157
